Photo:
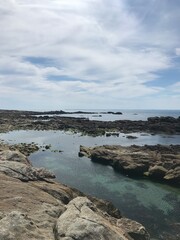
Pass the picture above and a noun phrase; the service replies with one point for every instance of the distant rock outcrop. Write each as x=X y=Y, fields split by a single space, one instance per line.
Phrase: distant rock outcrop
x=26 y=120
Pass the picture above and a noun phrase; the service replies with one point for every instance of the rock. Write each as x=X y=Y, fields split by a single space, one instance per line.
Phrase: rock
x=106 y=206
x=115 y=134
x=157 y=162
x=8 y=155
x=134 y=229
x=157 y=172
x=173 y=175
x=116 y=113
x=161 y=119
x=84 y=151
x=27 y=212
x=16 y=225
x=24 y=172
x=131 y=137
x=16 y=120
x=32 y=206
x=82 y=220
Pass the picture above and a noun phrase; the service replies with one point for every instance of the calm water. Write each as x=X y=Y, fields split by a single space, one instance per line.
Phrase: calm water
x=126 y=114
x=153 y=204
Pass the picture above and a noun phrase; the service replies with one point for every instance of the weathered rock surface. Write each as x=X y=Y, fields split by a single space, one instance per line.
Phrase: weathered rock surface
x=157 y=162
x=82 y=220
x=8 y=155
x=33 y=206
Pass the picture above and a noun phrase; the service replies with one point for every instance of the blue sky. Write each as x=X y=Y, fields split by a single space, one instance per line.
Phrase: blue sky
x=58 y=54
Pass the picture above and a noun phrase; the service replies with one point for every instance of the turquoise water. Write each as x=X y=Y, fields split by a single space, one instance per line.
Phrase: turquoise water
x=153 y=204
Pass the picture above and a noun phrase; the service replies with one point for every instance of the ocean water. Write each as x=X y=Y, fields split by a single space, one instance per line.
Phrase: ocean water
x=126 y=114
x=155 y=205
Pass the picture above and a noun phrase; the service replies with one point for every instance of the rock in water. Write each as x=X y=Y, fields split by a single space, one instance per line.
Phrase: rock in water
x=157 y=162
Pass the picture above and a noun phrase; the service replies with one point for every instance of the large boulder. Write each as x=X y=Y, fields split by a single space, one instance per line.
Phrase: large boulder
x=83 y=221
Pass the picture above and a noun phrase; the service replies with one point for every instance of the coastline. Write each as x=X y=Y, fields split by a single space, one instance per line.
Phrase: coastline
x=34 y=206
x=27 y=120
x=11 y=121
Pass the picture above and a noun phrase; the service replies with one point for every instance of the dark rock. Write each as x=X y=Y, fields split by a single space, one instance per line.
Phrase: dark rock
x=26 y=120
x=131 y=137
x=157 y=172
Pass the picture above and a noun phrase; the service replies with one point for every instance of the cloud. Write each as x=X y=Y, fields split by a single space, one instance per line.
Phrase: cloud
x=177 y=50
x=86 y=49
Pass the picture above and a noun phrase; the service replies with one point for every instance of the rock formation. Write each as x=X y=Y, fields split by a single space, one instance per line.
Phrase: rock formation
x=34 y=206
x=157 y=162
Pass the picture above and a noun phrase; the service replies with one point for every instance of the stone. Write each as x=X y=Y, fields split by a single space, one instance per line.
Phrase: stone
x=157 y=172
x=83 y=221
x=8 y=155
x=134 y=229
x=173 y=175
x=24 y=172
x=157 y=162
x=28 y=120
x=35 y=207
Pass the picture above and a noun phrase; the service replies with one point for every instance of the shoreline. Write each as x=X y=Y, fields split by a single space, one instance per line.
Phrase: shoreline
x=34 y=206
x=26 y=120
x=16 y=121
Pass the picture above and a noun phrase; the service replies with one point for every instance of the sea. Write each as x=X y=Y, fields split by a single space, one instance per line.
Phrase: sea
x=155 y=205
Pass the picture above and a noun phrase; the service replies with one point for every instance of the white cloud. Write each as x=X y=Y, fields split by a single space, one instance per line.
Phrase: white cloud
x=176 y=87
x=105 y=45
x=177 y=50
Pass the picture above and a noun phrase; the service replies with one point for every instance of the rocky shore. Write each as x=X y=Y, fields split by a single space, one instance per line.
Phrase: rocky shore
x=157 y=162
x=27 y=120
x=34 y=206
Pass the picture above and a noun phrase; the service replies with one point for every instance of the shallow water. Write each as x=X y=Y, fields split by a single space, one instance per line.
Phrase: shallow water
x=153 y=204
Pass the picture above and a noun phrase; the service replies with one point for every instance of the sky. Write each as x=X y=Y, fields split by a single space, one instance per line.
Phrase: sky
x=89 y=54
